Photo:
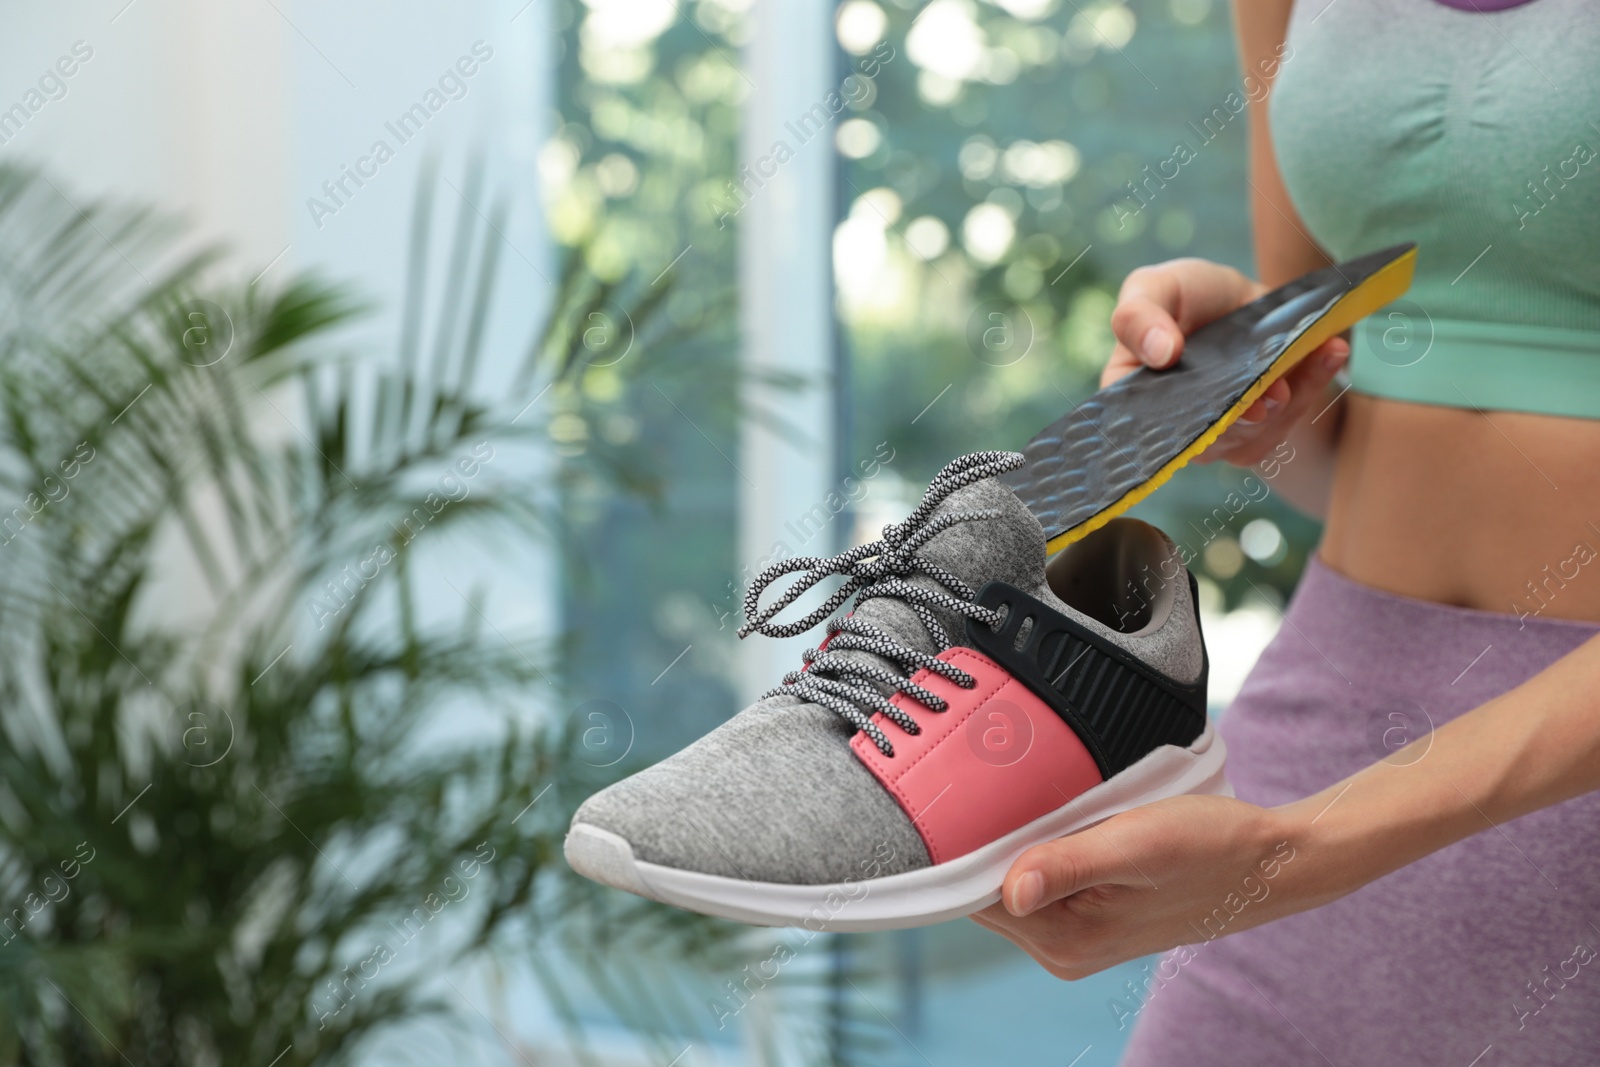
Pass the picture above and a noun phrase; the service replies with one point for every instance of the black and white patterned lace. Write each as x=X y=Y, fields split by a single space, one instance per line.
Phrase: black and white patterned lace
x=881 y=568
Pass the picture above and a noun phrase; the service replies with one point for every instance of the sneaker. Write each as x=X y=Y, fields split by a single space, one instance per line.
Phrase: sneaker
x=975 y=703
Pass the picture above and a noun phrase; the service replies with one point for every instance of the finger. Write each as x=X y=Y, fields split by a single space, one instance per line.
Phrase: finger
x=1308 y=382
x=1121 y=363
x=1013 y=930
x=1158 y=305
x=1142 y=321
x=1287 y=401
x=1035 y=932
x=1288 y=397
x=1250 y=427
x=1148 y=331
x=1267 y=404
x=1056 y=869
x=1236 y=438
x=994 y=917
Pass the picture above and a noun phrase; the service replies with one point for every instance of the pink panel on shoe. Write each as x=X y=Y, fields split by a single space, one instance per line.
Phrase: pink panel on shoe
x=995 y=760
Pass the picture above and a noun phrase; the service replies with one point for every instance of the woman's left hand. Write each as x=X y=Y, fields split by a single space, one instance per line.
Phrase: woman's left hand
x=1176 y=872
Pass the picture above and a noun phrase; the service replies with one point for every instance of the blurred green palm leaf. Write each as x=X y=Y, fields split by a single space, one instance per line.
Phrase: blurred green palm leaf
x=224 y=797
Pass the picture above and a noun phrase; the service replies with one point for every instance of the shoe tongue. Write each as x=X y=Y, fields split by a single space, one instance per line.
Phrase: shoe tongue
x=1010 y=549
x=1007 y=549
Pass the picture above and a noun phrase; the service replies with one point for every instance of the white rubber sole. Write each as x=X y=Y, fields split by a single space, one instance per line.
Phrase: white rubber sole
x=915 y=898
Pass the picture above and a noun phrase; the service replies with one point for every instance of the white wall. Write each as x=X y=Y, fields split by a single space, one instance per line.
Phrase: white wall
x=181 y=103
x=233 y=115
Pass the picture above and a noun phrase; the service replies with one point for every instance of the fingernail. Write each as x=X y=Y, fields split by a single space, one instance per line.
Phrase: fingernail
x=1273 y=404
x=1334 y=360
x=1156 y=346
x=1030 y=890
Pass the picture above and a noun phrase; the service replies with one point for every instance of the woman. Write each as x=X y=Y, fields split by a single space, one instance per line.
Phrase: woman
x=1365 y=900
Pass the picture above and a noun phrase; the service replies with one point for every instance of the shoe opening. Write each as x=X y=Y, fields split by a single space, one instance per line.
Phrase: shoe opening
x=1123 y=575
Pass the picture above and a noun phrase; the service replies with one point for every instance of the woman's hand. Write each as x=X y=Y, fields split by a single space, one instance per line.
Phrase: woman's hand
x=1160 y=305
x=1177 y=872
x=1191 y=868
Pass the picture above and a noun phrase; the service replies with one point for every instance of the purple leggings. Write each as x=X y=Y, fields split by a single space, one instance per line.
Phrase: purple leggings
x=1481 y=954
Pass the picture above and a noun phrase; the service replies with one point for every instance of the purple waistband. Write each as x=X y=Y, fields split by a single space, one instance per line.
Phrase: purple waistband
x=1349 y=654
x=1382 y=641
x=1482 y=6
x=1324 y=584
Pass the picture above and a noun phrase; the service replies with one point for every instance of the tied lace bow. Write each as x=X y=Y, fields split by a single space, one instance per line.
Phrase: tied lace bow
x=849 y=686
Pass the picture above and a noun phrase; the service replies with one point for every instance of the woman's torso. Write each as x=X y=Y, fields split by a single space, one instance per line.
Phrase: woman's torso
x=1472 y=134
x=1497 y=512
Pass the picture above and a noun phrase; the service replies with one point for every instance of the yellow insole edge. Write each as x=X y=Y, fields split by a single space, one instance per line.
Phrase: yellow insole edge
x=1388 y=284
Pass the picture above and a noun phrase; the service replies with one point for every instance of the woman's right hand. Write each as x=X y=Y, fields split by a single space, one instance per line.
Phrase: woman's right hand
x=1161 y=304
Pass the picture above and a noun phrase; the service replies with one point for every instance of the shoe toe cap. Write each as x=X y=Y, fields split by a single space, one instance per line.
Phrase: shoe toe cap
x=774 y=795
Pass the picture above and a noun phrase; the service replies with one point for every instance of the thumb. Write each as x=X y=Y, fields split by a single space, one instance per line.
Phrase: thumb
x=1057 y=869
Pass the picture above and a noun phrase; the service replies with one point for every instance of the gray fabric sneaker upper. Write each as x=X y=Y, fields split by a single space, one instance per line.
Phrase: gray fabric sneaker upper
x=776 y=794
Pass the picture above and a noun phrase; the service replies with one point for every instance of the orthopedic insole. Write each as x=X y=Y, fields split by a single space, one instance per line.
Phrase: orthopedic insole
x=1115 y=448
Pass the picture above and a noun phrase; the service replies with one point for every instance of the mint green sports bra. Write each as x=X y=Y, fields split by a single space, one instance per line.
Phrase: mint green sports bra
x=1478 y=137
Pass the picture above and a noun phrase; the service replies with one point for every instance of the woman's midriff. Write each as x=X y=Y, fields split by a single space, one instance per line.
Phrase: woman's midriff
x=1497 y=511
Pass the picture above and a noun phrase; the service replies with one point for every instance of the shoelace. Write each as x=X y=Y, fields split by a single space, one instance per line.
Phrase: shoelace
x=880 y=568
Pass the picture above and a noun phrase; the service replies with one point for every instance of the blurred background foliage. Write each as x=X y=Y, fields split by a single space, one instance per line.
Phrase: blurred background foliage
x=253 y=801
